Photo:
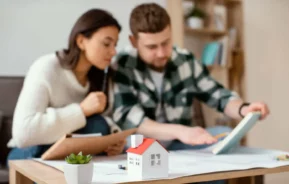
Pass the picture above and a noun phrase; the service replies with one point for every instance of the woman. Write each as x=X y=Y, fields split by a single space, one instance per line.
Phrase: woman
x=67 y=91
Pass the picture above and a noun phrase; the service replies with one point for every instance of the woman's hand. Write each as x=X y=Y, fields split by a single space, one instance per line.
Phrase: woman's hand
x=94 y=103
x=116 y=149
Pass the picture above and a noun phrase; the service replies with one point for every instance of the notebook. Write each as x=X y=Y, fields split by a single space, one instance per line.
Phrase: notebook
x=87 y=144
x=237 y=134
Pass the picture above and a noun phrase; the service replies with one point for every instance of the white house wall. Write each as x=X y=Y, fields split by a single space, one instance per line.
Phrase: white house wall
x=157 y=171
x=134 y=171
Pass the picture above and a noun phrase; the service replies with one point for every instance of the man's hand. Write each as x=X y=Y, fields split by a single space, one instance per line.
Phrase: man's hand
x=195 y=136
x=116 y=149
x=256 y=106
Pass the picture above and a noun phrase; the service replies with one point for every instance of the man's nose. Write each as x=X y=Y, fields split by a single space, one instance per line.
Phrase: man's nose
x=160 y=53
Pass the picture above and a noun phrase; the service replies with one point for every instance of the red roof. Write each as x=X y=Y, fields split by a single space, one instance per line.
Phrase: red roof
x=147 y=142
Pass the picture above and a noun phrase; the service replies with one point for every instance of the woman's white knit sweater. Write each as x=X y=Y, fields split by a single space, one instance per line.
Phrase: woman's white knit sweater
x=48 y=105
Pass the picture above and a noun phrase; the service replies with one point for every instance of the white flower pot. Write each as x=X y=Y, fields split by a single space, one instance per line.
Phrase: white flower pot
x=195 y=22
x=78 y=173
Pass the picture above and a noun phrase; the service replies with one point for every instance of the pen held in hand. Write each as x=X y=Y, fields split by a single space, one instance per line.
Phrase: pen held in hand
x=104 y=84
x=221 y=135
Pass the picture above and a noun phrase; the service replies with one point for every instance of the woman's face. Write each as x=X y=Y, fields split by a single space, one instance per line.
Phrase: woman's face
x=100 y=47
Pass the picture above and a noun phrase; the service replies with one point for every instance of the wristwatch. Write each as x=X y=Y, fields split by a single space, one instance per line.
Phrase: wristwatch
x=241 y=107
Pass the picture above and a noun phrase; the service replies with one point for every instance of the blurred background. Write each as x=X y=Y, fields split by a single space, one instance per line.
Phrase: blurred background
x=244 y=43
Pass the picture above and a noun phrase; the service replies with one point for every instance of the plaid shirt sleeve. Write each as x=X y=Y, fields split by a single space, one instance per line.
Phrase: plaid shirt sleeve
x=209 y=90
x=127 y=111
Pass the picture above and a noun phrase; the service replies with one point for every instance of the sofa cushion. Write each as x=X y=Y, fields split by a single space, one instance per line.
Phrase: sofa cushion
x=4 y=175
x=10 y=88
x=5 y=136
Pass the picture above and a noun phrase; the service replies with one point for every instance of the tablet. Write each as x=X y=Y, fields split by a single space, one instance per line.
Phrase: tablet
x=237 y=134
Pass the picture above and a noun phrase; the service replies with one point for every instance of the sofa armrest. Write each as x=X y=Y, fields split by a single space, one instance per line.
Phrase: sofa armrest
x=5 y=136
x=1 y=118
x=4 y=175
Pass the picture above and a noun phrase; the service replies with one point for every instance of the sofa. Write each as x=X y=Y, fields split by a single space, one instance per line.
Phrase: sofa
x=10 y=88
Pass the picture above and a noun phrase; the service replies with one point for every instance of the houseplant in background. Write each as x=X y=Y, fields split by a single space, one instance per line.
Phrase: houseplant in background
x=195 y=18
x=78 y=169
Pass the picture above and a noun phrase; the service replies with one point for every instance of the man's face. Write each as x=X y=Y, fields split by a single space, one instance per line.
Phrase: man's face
x=155 y=49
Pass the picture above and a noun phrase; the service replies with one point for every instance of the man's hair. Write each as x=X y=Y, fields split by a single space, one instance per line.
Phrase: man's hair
x=148 y=18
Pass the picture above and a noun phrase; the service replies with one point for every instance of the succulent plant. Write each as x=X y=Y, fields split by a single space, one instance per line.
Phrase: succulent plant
x=78 y=159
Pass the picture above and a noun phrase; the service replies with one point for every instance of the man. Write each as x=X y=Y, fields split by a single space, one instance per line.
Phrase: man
x=155 y=85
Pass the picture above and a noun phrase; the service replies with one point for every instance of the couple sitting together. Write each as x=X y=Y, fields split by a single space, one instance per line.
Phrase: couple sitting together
x=90 y=88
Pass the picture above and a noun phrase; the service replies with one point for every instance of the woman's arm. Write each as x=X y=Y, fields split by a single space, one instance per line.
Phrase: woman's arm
x=37 y=124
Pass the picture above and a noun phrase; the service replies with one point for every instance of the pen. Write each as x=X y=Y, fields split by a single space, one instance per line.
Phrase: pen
x=104 y=86
x=104 y=80
x=221 y=135
x=121 y=167
x=283 y=158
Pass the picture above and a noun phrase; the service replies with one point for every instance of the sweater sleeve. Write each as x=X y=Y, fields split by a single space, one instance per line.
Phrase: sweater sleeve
x=35 y=123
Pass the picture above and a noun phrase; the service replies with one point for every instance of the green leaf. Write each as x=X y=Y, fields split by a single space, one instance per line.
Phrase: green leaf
x=81 y=161
x=72 y=155
x=78 y=159
x=73 y=162
x=87 y=159
x=67 y=160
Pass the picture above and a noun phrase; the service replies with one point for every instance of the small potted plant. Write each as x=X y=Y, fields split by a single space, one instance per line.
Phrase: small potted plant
x=78 y=169
x=195 y=19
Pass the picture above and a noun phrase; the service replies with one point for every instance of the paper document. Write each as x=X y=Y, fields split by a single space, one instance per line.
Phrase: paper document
x=185 y=163
x=87 y=144
x=86 y=135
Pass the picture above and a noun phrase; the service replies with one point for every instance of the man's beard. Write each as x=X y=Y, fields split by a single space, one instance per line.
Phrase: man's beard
x=158 y=68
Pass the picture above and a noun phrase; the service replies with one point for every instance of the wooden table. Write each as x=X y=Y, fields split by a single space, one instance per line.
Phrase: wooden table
x=26 y=171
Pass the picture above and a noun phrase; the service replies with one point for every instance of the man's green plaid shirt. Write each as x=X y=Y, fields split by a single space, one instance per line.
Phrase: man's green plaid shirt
x=136 y=96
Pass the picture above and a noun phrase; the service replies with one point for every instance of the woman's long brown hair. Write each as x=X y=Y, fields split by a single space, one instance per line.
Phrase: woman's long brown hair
x=87 y=24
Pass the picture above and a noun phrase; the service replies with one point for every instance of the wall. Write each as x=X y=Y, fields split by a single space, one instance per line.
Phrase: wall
x=31 y=28
x=267 y=66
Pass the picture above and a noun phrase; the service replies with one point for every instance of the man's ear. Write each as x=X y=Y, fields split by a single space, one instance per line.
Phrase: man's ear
x=133 y=40
x=80 y=41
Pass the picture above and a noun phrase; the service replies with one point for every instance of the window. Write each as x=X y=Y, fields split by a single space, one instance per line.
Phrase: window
x=152 y=163
x=131 y=160
x=155 y=160
x=158 y=159
x=158 y=156
x=134 y=161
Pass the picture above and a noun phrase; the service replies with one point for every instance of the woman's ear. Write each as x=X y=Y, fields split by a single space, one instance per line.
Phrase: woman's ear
x=80 y=41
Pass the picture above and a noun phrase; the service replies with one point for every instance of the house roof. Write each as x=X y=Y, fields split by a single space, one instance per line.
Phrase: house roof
x=147 y=142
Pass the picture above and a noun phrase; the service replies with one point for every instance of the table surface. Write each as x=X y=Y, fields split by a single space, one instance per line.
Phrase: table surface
x=26 y=171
